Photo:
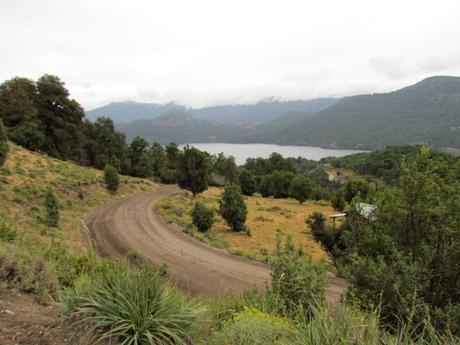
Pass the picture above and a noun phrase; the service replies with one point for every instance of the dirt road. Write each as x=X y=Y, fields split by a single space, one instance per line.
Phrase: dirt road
x=131 y=225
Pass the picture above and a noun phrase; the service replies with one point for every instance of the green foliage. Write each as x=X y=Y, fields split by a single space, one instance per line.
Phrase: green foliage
x=356 y=187
x=410 y=247
x=193 y=170
x=3 y=143
x=247 y=182
x=111 y=178
x=233 y=208
x=132 y=306
x=386 y=163
x=202 y=216
x=300 y=188
x=297 y=282
x=338 y=201
x=252 y=326
x=51 y=209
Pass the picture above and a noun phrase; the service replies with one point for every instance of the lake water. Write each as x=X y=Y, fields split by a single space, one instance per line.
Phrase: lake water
x=243 y=151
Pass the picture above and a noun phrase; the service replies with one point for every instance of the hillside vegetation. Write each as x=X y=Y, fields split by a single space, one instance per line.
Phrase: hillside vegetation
x=26 y=176
x=427 y=112
x=266 y=216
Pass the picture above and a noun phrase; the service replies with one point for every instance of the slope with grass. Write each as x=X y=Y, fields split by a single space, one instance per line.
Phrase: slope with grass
x=26 y=176
x=265 y=217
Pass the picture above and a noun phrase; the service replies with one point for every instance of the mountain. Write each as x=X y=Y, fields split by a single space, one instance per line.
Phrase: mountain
x=263 y=111
x=131 y=111
x=180 y=127
x=427 y=112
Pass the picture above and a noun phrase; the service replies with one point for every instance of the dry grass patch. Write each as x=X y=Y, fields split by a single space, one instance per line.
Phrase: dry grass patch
x=265 y=217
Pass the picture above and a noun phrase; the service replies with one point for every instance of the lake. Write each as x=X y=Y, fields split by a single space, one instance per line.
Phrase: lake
x=243 y=151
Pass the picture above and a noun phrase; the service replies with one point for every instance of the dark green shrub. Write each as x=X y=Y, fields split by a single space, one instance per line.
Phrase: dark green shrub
x=202 y=216
x=51 y=209
x=233 y=208
x=338 y=201
x=247 y=182
x=111 y=178
x=301 y=188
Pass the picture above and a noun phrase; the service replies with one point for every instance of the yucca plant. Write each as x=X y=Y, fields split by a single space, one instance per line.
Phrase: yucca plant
x=131 y=306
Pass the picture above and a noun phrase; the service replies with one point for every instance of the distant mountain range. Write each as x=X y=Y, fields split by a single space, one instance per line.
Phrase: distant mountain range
x=427 y=112
x=266 y=110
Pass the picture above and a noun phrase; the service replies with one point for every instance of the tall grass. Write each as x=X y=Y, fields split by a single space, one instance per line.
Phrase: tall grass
x=341 y=324
x=132 y=306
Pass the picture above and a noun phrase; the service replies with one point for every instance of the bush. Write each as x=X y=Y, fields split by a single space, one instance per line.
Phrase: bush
x=252 y=326
x=298 y=284
x=301 y=188
x=247 y=182
x=338 y=201
x=232 y=207
x=202 y=216
x=3 y=143
x=132 y=306
x=51 y=209
x=111 y=178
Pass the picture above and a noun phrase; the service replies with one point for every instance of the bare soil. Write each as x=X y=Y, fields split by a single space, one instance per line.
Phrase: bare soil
x=25 y=322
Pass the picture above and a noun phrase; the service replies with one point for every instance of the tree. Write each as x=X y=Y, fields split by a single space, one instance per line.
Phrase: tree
x=111 y=178
x=281 y=183
x=137 y=149
x=3 y=143
x=193 y=170
x=233 y=208
x=247 y=182
x=266 y=186
x=104 y=145
x=61 y=119
x=202 y=216
x=51 y=209
x=230 y=170
x=338 y=202
x=356 y=187
x=411 y=247
x=301 y=188
x=19 y=111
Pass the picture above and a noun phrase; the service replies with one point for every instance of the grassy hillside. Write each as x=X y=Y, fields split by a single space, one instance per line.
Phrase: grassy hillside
x=265 y=217
x=26 y=176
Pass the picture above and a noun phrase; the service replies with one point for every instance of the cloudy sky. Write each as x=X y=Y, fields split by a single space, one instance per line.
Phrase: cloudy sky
x=201 y=53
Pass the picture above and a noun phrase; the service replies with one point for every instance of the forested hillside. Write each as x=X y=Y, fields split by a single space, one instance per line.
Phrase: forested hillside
x=425 y=113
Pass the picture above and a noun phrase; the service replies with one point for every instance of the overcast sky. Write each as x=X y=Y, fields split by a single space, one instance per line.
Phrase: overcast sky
x=201 y=53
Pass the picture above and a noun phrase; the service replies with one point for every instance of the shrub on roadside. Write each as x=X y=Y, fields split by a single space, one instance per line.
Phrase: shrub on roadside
x=132 y=306
x=111 y=178
x=202 y=216
x=252 y=326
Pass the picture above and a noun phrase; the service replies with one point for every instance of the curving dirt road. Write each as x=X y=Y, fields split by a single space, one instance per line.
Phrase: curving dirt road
x=131 y=225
